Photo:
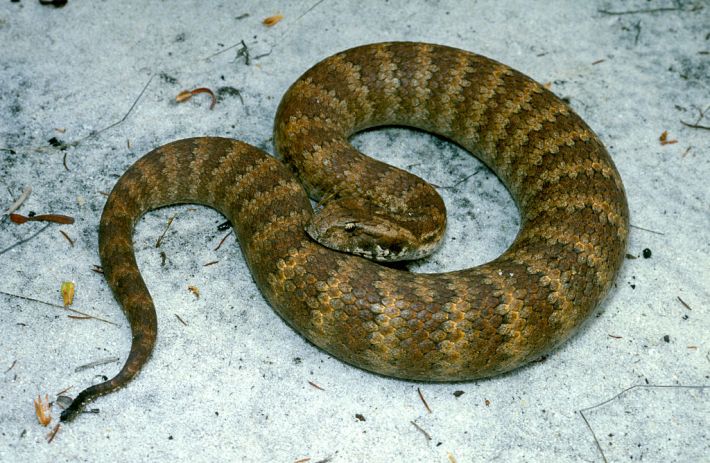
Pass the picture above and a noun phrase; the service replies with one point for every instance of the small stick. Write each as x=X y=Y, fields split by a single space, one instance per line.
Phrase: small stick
x=309 y=10
x=97 y=269
x=211 y=263
x=459 y=182
x=695 y=126
x=223 y=240
x=23 y=241
x=167 y=226
x=71 y=241
x=315 y=385
x=650 y=10
x=181 y=320
x=54 y=432
x=646 y=229
x=58 y=306
x=241 y=42
x=16 y=205
x=11 y=366
x=684 y=303
x=64 y=390
x=421 y=396
x=125 y=116
x=96 y=364
x=419 y=428
x=672 y=386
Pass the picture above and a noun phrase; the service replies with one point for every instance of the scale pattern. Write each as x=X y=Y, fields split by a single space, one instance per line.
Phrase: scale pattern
x=453 y=326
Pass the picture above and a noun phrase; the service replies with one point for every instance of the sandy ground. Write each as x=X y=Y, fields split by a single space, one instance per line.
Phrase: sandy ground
x=88 y=88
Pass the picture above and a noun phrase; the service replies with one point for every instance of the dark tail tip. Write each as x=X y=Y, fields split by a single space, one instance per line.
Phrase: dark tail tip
x=77 y=405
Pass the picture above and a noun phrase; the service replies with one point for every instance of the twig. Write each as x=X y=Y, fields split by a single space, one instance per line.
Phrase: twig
x=309 y=9
x=684 y=303
x=14 y=362
x=646 y=229
x=181 y=320
x=54 y=432
x=695 y=126
x=459 y=182
x=650 y=10
x=419 y=428
x=649 y=386
x=421 y=396
x=16 y=205
x=58 y=306
x=243 y=51
x=96 y=364
x=71 y=241
x=23 y=241
x=63 y=391
x=315 y=385
x=167 y=226
x=223 y=240
x=241 y=42
x=125 y=116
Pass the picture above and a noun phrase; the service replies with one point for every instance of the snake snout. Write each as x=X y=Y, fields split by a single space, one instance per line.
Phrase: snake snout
x=355 y=227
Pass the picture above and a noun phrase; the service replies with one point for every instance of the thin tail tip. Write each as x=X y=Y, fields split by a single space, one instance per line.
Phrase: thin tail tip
x=74 y=409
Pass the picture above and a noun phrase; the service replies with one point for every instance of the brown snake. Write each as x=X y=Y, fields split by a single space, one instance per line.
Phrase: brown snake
x=453 y=326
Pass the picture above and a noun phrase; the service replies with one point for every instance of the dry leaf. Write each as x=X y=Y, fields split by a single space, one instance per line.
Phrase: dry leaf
x=68 y=288
x=56 y=218
x=42 y=410
x=187 y=94
x=183 y=96
x=272 y=20
x=194 y=290
x=664 y=139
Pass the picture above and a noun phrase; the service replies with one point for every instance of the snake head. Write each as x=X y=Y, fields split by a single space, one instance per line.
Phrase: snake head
x=356 y=226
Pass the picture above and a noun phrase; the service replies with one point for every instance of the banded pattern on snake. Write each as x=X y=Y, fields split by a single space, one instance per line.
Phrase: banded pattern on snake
x=453 y=326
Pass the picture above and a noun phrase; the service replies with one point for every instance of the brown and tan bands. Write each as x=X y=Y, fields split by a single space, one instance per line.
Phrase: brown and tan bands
x=451 y=326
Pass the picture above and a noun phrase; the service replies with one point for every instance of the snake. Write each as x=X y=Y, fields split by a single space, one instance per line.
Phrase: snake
x=320 y=269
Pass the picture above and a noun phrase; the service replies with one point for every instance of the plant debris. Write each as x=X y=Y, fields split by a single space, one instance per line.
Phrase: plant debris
x=315 y=386
x=421 y=396
x=419 y=428
x=16 y=205
x=42 y=410
x=68 y=288
x=56 y=218
x=54 y=3
x=194 y=290
x=272 y=20
x=187 y=94
x=664 y=139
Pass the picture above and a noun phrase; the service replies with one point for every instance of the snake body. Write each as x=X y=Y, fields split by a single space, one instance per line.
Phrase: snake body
x=453 y=326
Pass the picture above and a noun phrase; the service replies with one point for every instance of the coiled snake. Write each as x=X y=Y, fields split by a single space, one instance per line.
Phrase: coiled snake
x=453 y=326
